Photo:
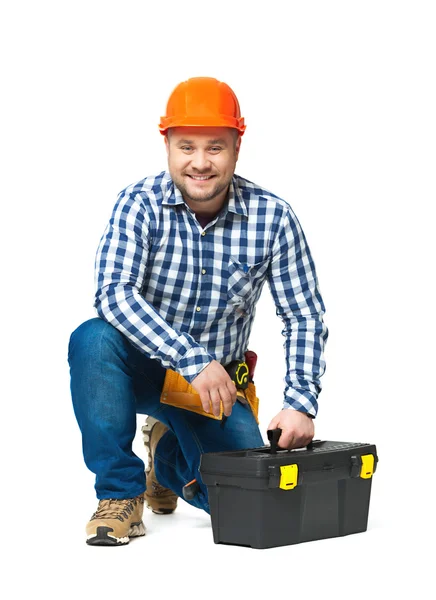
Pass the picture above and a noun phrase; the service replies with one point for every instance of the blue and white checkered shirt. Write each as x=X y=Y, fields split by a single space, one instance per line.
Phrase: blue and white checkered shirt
x=185 y=295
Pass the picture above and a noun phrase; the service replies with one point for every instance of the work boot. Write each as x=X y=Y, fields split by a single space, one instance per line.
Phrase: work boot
x=159 y=499
x=115 y=521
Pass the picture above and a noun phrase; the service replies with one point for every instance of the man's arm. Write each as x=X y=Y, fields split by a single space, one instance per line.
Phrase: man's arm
x=120 y=268
x=294 y=287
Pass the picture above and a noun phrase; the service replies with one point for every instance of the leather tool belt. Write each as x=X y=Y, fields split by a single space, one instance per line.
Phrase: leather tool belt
x=178 y=392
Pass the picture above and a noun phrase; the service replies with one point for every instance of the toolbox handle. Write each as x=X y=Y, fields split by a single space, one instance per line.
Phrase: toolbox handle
x=274 y=436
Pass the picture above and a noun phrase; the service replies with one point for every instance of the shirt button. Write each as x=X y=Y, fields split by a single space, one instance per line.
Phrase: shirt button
x=198 y=309
x=203 y=271
x=203 y=233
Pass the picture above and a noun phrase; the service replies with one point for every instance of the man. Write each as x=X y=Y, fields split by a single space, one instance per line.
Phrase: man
x=180 y=268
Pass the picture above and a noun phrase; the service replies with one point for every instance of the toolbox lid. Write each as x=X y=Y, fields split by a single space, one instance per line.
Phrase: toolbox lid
x=256 y=462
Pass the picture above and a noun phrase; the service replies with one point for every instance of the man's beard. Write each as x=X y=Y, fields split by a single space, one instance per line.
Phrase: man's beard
x=202 y=196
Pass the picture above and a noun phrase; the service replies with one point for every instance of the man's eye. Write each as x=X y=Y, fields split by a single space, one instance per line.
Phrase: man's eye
x=215 y=149
x=187 y=148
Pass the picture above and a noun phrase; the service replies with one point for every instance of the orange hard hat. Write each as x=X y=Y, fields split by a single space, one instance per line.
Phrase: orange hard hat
x=202 y=102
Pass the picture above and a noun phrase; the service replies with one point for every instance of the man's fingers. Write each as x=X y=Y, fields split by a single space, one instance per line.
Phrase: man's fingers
x=286 y=440
x=273 y=424
x=205 y=401
x=232 y=391
x=216 y=401
x=291 y=440
x=297 y=428
x=226 y=399
x=214 y=386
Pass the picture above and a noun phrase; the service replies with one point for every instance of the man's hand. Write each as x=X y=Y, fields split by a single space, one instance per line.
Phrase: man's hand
x=297 y=428
x=215 y=386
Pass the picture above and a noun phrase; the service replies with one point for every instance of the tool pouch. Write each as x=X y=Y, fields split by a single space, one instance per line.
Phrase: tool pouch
x=178 y=392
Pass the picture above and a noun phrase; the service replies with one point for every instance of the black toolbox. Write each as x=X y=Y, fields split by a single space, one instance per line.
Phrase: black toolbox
x=265 y=497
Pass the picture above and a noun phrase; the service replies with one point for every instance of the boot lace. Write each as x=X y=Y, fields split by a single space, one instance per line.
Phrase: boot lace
x=115 y=509
x=158 y=490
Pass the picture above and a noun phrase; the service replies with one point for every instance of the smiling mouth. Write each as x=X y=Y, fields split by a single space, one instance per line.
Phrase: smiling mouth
x=200 y=177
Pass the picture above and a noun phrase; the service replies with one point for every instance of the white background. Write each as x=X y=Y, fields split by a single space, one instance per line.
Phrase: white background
x=339 y=100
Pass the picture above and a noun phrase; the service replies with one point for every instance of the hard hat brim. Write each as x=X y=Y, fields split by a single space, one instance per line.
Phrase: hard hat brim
x=220 y=121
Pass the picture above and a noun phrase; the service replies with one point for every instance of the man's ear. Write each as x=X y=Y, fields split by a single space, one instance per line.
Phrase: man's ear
x=237 y=146
x=167 y=145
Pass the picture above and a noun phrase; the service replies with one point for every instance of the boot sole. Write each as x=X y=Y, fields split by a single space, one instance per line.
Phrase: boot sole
x=102 y=536
x=159 y=511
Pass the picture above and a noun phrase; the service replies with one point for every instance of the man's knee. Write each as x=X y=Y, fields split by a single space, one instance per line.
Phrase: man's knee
x=86 y=341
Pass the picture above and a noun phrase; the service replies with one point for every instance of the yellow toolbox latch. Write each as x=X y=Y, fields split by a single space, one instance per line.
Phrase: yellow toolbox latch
x=367 y=466
x=289 y=477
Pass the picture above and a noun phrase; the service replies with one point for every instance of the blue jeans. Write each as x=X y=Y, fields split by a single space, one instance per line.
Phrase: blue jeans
x=112 y=381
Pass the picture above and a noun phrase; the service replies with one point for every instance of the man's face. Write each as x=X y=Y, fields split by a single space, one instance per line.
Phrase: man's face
x=202 y=160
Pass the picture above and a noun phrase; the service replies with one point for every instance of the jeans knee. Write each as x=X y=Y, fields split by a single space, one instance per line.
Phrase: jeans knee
x=85 y=341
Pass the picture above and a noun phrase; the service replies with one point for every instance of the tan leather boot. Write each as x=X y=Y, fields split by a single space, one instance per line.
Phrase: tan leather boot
x=115 y=521
x=159 y=499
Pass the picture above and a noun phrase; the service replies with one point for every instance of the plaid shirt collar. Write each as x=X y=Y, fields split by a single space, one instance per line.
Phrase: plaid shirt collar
x=235 y=204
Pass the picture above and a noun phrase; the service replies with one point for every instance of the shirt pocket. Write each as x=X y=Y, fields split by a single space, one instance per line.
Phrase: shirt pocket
x=244 y=280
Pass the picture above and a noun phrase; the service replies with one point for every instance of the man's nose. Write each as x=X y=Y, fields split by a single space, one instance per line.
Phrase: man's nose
x=200 y=160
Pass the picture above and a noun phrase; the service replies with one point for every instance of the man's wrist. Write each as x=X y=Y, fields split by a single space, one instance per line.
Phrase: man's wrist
x=303 y=412
x=193 y=363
